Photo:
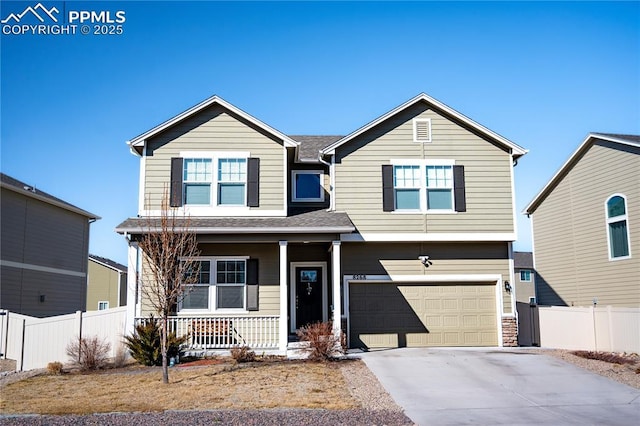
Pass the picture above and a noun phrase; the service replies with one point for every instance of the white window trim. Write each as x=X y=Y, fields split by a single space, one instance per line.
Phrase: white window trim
x=100 y=302
x=213 y=294
x=423 y=186
x=615 y=219
x=215 y=156
x=530 y=275
x=415 y=129
x=294 y=197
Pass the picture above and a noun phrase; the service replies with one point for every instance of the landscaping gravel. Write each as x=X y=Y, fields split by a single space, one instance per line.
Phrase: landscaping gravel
x=225 y=417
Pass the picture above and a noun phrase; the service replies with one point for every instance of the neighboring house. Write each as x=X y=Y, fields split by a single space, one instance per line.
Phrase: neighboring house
x=400 y=232
x=525 y=277
x=45 y=245
x=106 y=284
x=586 y=226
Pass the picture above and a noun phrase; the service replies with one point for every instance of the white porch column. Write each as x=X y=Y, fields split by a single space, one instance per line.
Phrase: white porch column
x=336 y=278
x=132 y=283
x=284 y=312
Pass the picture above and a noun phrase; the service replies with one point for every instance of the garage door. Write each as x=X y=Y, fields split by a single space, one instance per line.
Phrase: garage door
x=384 y=315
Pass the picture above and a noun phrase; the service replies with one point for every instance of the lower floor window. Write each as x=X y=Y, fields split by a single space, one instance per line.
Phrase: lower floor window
x=103 y=305
x=222 y=284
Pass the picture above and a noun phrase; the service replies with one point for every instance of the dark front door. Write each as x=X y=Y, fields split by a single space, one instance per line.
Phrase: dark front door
x=308 y=295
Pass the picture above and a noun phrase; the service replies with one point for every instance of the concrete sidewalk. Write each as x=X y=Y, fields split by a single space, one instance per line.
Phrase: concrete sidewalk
x=495 y=386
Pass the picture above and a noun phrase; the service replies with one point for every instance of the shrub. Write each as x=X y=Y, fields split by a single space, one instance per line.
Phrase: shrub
x=89 y=353
x=54 y=368
x=145 y=343
x=243 y=354
x=323 y=343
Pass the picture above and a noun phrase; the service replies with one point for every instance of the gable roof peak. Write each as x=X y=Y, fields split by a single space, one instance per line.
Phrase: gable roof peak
x=515 y=150
x=136 y=144
x=587 y=143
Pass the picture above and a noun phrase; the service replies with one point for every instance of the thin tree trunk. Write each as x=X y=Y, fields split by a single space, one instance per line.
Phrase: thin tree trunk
x=165 y=366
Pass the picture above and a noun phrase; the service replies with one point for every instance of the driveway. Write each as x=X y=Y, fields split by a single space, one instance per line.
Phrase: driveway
x=493 y=386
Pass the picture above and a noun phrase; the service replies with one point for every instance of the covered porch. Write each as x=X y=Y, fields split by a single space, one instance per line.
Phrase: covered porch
x=298 y=281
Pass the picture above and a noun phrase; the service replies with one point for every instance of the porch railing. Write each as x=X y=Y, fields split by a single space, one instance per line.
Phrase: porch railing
x=223 y=332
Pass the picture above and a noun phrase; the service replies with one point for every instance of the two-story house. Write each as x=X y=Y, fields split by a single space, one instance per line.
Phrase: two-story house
x=585 y=226
x=400 y=232
x=43 y=253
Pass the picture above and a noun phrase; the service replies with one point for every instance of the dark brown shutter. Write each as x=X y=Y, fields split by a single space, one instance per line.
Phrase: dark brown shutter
x=253 y=182
x=388 y=199
x=252 y=285
x=458 y=189
x=175 y=197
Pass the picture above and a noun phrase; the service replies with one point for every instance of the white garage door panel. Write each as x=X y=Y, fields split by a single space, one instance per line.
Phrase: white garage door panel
x=398 y=314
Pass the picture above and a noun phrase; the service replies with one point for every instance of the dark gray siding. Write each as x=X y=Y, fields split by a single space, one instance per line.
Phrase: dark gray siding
x=47 y=251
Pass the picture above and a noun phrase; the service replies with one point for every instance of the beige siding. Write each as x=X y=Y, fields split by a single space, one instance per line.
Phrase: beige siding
x=103 y=285
x=214 y=129
x=268 y=274
x=570 y=233
x=448 y=259
x=487 y=176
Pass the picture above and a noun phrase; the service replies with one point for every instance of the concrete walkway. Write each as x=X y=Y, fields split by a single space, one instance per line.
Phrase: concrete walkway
x=500 y=386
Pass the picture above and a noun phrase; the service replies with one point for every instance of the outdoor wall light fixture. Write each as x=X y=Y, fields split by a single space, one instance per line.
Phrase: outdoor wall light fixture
x=507 y=287
x=425 y=261
x=42 y=298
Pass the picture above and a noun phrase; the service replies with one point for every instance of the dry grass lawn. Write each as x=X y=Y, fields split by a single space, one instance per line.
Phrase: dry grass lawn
x=285 y=384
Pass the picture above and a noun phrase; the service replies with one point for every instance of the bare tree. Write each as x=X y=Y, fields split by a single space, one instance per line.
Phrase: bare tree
x=169 y=247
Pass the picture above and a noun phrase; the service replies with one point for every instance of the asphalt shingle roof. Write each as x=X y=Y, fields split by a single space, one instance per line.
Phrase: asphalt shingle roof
x=32 y=191
x=523 y=259
x=317 y=221
x=113 y=264
x=630 y=138
x=310 y=146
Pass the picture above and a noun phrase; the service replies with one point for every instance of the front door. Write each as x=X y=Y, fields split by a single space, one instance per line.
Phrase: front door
x=308 y=297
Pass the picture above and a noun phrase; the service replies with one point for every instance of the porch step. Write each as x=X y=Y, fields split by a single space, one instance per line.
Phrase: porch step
x=297 y=350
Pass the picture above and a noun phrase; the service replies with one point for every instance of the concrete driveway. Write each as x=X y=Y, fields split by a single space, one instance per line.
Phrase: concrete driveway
x=495 y=386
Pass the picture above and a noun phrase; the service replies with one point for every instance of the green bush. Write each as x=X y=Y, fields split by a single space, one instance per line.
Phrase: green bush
x=145 y=346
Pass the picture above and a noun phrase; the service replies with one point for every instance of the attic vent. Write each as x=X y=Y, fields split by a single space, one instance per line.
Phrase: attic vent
x=422 y=130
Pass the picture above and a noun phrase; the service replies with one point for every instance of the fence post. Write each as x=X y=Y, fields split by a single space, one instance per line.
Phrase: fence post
x=79 y=322
x=5 y=333
x=610 y=324
x=24 y=328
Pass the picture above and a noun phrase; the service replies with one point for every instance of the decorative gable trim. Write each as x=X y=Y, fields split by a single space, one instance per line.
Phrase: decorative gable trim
x=422 y=130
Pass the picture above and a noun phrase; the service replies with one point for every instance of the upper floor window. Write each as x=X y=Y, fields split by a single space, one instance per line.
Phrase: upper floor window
x=617 y=227
x=197 y=181
x=215 y=179
x=232 y=181
x=424 y=186
x=307 y=186
x=525 y=275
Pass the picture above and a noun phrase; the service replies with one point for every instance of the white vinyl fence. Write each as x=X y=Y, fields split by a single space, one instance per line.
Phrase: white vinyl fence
x=605 y=329
x=34 y=342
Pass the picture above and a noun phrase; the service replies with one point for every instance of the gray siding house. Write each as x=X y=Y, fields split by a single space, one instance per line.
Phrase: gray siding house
x=525 y=277
x=45 y=244
x=400 y=233
x=586 y=226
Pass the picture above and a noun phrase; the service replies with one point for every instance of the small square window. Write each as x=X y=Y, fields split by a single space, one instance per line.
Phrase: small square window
x=525 y=275
x=102 y=305
x=307 y=186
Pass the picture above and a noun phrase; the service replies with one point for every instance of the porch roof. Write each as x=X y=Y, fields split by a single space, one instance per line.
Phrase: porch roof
x=317 y=221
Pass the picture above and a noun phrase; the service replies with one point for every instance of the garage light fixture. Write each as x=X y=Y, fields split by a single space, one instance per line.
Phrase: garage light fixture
x=425 y=261
x=507 y=287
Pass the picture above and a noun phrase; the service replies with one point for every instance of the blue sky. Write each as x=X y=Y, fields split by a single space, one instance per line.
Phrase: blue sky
x=542 y=74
